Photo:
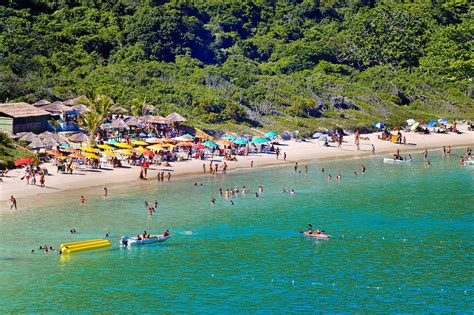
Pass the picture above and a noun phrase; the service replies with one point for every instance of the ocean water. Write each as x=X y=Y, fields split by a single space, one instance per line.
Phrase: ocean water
x=401 y=241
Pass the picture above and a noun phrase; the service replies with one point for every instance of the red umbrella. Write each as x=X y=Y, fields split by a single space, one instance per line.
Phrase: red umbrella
x=199 y=146
x=24 y=161
x=148 y=153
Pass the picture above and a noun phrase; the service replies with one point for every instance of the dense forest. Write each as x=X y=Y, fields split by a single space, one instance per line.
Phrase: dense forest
x=280 y=64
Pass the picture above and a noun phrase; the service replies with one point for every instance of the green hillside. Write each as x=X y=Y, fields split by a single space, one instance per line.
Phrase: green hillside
x=234 y=64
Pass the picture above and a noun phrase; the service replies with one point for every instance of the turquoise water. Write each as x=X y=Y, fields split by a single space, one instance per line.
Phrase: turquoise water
x=402 y=241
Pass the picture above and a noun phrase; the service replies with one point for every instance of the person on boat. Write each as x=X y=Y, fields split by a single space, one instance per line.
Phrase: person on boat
x=166 y=233
x=144 y=235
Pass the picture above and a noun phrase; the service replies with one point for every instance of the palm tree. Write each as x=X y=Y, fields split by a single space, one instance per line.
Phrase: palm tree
x=54 y=124
x=100 y=108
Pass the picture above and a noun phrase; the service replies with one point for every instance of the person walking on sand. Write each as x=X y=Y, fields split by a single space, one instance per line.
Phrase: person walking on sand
x=204 y=168
x=284 y=156
x=373 y=149
x=169 y=176
x=277 y=152
x=42 y=179
x=12 y=202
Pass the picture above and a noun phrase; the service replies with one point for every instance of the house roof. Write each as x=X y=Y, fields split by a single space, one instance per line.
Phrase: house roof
x=57 y=107
x=17 y=110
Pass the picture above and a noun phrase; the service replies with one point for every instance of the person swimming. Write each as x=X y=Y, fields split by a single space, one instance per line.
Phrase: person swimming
x=292 y=192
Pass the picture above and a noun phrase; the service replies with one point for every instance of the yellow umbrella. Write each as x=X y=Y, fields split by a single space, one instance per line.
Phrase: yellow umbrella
x=139 y=142
x=108 y=153
x=168 y=145
x=125 y=151
x=123 y=145
x=90 y=149
x=105 y=146
x=91 y=156
x=155 y=147
x=140 y=149
x=62 y=157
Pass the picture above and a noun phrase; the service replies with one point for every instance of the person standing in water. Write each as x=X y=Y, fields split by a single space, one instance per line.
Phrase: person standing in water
x=362 y=168
x=306 y=169
x=296 y=167
x=425 y=154
x=373 y=149
x=251 y=163
x=12 y=202
x=105 y=192
x=82 y=200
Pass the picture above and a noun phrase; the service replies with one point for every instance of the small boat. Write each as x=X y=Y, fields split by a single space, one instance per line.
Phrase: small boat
x=390 y=160
x=129 y=241
x=322 y=236
x=469 y=162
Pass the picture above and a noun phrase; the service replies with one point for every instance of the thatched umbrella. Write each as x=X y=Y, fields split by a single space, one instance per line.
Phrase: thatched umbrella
x=145 y=118
x=119 y=110
x=72 y=101
x=80 y=108
x=148 y=108
x=79 y=137
x=50 y=142
x=45 y=134
x=36 y=143
x=28 y=137
x=158 y=120
x=41 y=103
x=175 y=117
x=56 y=107
x=134 y=122
x=60 y=139
x=118 y=124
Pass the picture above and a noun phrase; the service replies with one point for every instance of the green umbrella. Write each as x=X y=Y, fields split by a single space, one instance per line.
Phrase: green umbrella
x=240 y=141
x=259 y=140
x=210 y=144
x=271 y=134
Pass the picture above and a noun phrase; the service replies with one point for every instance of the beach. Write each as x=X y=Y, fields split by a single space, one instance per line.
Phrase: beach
x=301 y=152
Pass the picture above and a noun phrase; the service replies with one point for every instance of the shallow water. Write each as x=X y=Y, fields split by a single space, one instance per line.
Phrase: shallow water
x=401 y=242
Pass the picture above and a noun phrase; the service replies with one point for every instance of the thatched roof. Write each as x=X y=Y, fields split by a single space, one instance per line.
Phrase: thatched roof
x=36 y=143
x=17 y=110
x=80 y=108
x=28 y=137
x=134 y=122
x=148 y=108
x=41 y=103
x=72 y=101
x=79 y=137
x=56 y=107
x=119 y=110
x=158 y=120
x=175 y=117
x=118 y=124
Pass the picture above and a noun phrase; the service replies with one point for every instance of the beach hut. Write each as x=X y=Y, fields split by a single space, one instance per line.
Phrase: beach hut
x=67 y=116
x=22 y=117
x=41 y=103
x=80 y=108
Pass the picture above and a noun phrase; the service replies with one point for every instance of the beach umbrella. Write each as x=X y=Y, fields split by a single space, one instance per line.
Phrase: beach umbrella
x=118 y=124
x=168 y=145
x=240 y=141
x=259 y=140
x=112 y=142
x=109 y=153
x=168 y=140
x=134 y=122
x=23 y=161
x=152 y=140
x=184 y=144
x=50 y=142
x=76 y=156
x=414 y=126
x=125 y=151
x=90 y=149
x=140 y=149
x=28 y=137
x=155 y=147
x=80 y=108
x=199 y=146
x=139 y=142
x=79 y=137
x=187 y=135
x=210 y=144
x=224 y=142
x=317 y=135
x=158 y=120
x=148 y=154
x=443 y=120
x=175 y=117
x=120 y=110
x=378 y=125
x=91 y=156
x=145 y=118
x=54 y=152
x=182 y=138
x=105 y=146
x=230 y=137
x=69 y=150
x=431 y=123
x=271 y=134
x=411 y=122
x=123 y=145
x=36 y=143
x=62 y=157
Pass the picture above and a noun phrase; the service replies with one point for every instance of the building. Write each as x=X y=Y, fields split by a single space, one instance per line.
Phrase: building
x=67 y=116
x=22 y=117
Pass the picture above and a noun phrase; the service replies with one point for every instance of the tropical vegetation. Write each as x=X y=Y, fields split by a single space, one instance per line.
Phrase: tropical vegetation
x=293 y=64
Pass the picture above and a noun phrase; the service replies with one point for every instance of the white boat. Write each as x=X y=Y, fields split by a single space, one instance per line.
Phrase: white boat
x=129 y=241
x=390 y=160
x=469 y=162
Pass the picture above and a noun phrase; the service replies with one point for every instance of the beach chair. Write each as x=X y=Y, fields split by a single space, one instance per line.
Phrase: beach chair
x=4 y=172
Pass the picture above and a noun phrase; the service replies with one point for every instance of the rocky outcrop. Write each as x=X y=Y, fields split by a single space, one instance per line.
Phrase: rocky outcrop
x=342 y=103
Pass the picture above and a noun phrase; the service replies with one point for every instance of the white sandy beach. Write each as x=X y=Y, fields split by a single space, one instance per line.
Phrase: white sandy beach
x=296 y=152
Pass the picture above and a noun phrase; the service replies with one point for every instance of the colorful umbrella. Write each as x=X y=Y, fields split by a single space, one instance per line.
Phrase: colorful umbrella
x=125 y=151
x=240 y=141
x=378 y=125
x=105 y=146
x=230 y=137
x=70 y=150
x=199 y=146
x=259 y=140
x=140 y=149
x=443 y=120
x=414 y=126
x=123 y=145
x=112 y=142
x=184 y=144
x=55 y=153
x=155 y=147
x=210 y=144
x=76 y=156
x=139 y=142
x=224 y=142
x=148 y=154
x=24 y=161
x=187 y=135
x=271 y=134
x=431 y=123
x=91 y=156
x=109 y=153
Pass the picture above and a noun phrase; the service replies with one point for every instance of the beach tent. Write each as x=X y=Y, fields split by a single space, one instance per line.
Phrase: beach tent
x=240 y=141
x=431 y=123
x=259 y=140
x=378 y=125
x=443 y=120
x=411 y=122
x=317 y=135
x=271 y=134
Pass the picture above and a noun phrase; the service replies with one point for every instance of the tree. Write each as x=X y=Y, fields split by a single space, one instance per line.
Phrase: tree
x=100 y=108
x=90 y=121
x=54 y=124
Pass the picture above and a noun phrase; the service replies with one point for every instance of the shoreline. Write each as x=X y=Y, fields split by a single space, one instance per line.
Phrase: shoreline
x=301 y=152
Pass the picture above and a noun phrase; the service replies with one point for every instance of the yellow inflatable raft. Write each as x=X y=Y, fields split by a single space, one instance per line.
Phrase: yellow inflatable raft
x=75 y=247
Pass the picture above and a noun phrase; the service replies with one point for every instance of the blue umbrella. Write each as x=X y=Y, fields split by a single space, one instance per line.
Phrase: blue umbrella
x=187 y=135
x=209 y=144
x=443 y=120
x=317 y=135
x=271 y=134
x=230 y=137
x=111 y=142
x=431 y=123
x=142 y=135
x=260 y=140
x=378 y=125
x=240 y=141
x=66 y=146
